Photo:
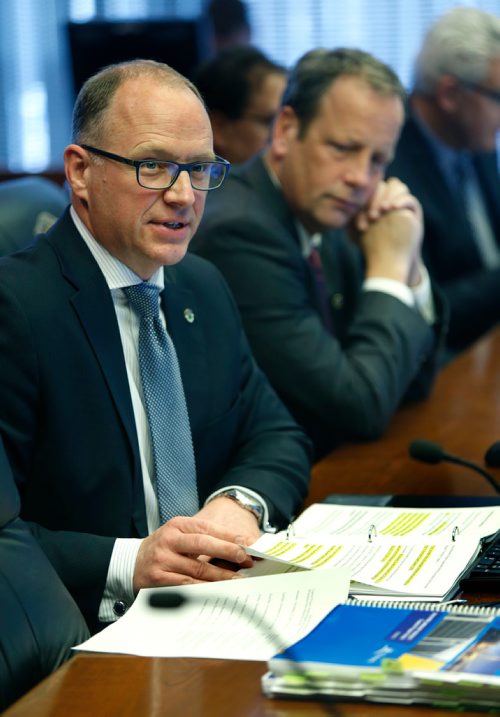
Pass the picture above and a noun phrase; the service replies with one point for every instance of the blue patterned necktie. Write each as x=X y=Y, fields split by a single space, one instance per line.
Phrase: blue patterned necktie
x=166 y=408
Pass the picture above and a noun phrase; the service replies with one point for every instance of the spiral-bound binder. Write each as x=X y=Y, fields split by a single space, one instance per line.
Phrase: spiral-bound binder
x=448 y=607
x=395 y=652
x=371 y=533
x=402 y=553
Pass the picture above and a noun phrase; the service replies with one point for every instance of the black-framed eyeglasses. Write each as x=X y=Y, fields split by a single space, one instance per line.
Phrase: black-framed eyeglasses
x=159 y=174
x=486 y=91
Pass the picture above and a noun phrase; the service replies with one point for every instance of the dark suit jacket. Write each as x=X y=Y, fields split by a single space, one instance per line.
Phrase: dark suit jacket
x=342 y=386
x=66 y=414
x=449 y=249
x=39 y=622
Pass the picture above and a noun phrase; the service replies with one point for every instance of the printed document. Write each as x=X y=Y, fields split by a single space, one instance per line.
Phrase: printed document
x=247 y=619
x=405 y=553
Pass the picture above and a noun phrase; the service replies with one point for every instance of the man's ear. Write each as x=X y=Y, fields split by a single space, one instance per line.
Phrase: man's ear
x=285 y=131
x=77 y=167
x=222 y=128
x=448 y=94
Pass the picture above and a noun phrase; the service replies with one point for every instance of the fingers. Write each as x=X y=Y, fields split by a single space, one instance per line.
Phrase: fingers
x=390 y=195
x=170 y=556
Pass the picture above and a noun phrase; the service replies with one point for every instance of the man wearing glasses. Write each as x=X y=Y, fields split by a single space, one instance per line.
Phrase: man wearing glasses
x=447 y=156
x=242 y=89
x=146 y=443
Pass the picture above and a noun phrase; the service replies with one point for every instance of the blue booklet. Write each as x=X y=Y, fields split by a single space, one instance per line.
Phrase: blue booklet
x=396 y=653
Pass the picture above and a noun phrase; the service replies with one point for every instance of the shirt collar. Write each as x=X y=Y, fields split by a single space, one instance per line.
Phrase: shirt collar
x=116 y=273
x=308 y=241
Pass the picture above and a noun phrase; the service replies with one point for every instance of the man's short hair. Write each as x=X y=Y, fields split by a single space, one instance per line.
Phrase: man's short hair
x=315 y=72
x=461 y=43
x=227 y=81
x=98 y=91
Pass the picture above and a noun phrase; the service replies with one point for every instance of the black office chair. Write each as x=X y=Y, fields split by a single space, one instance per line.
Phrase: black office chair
x=39 y=621
x=28 y=206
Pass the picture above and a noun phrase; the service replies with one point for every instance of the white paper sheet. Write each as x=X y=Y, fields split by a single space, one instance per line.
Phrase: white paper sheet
x=397 y=523
x=247 y=619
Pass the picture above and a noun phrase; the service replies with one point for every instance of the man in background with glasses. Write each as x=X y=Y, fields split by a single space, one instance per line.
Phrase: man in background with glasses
x=242 y=90
x=129 y=478
x=447 y=154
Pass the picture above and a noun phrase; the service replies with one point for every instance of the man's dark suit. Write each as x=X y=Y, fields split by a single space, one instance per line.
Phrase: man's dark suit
x=449 y=248
x=342 y=386
x=66 y=413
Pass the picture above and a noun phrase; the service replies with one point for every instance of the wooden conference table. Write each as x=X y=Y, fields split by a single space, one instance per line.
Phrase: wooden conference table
x=463 y=414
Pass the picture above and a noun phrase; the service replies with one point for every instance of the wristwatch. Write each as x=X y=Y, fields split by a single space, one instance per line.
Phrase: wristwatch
x=246 y=501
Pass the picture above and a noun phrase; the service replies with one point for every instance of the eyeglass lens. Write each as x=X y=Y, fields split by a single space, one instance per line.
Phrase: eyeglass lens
x=160 y=175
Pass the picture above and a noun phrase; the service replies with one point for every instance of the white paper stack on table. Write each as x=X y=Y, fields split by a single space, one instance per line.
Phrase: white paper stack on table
x=230 y=619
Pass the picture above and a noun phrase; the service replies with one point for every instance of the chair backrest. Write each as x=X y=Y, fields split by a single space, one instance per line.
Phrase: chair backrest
x=28 y=206
x=39 y=621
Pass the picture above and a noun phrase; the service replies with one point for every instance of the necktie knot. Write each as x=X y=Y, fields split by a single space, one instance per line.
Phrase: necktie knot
x=144 y=299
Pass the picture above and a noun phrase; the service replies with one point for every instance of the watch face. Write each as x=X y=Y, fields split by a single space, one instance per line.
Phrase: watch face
x=246 y=502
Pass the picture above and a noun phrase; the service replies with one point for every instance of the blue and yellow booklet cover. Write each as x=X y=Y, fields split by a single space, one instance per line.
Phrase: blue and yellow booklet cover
x=395 y=653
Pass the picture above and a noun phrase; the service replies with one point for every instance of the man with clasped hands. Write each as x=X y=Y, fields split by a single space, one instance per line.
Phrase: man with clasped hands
x=345 y=328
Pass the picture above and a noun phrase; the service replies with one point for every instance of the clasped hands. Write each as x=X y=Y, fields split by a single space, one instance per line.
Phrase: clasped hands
x=389 y=231
x=181 y=551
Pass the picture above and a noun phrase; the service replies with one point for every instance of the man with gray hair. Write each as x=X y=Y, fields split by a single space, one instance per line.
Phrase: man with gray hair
x=447 y=156
x=344 y=329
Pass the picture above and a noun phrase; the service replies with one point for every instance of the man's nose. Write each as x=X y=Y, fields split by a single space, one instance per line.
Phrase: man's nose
x=181 y=190
x=359 y=170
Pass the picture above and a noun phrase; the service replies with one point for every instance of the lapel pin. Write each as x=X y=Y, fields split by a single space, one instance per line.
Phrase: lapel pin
x=189 y=315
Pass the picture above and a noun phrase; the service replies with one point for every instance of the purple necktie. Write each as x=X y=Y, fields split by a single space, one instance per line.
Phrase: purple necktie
x=321 y=287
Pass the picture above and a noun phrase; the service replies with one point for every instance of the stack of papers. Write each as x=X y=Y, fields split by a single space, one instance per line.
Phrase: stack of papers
x=231 y=619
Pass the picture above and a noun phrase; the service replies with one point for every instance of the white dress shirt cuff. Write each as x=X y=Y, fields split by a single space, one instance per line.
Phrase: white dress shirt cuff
x=423 y=296
x=390 y=286
x=419 y=297
x=119 y=592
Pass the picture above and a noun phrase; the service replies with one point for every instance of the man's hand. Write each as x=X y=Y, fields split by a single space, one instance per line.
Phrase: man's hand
x=227 y=512
x=391 y=231
x=178 y=553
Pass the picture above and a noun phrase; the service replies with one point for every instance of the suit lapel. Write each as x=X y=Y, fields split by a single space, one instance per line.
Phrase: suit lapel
x=256 y=174
x=185 y=326
x=95 y=310
x=98 y=320
x=441 y=207
x=489 y=181
x=431 y=178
